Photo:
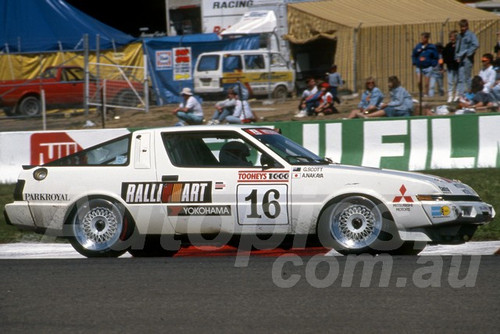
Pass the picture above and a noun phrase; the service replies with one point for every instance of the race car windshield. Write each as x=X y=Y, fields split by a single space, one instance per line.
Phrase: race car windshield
x=286 y=148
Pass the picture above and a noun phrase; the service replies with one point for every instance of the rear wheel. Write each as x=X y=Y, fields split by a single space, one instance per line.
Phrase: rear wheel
x=358 y=224
x=127 y=98
x=100 y=228
x=30 y=106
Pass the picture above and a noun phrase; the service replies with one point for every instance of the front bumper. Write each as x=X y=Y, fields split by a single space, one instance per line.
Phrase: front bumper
x=446 y=212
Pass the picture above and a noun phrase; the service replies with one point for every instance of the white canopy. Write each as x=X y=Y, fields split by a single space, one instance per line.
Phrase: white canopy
x=254 y=22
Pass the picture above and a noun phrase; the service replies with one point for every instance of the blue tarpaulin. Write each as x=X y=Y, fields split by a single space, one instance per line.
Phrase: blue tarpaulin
x=171 y=59
x=52 y=25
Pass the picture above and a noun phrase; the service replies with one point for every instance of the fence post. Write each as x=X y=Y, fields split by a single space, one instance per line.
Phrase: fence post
x=86 y=69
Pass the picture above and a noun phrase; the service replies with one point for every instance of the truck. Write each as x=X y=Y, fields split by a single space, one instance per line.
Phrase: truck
x=262 y=72
x=63 y=86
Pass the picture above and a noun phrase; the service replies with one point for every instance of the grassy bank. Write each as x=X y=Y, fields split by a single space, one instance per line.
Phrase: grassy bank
x=485 y=181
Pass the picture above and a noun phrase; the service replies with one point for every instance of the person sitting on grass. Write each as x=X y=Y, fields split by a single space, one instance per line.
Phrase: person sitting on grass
x=325 y=106
x=371 y=99
x=189 y=110
x=224 y=108
x=400 y=104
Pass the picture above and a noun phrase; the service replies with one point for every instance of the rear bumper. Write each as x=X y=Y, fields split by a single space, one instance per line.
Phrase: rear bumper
x=18 y=214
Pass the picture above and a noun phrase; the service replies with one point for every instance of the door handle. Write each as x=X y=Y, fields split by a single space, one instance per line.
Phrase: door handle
x=166 y=178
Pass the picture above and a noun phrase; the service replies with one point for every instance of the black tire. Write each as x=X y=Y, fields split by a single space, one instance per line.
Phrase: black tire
x=151 y=246
x=127 y=98
x=30 y=106
x=280 y=93
x=100 y=227
x=358 y=224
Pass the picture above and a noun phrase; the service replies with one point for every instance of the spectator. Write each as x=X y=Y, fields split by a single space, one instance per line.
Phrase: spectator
x=437 y=73
x=224 y=108
x=325 y=106
x=400 y=104
x=309 y=99
x=476 y=98
x=370 y=99
x=424 y=58
x=465 y=50
x=487 y=73
x=451 y=67
x=242 y=113
x=496 y=49
x=335 y=81
x=189 y=110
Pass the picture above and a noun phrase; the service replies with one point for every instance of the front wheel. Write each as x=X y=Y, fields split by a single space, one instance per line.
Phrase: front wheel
x=100 y=228
x=357 y=224
x=280 y=93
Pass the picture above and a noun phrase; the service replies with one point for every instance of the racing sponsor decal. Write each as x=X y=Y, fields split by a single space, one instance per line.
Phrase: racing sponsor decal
x=169 y=192
x=199 y=210
x=263 y=176
x=259 y=132
x=49 y=146
x=440 y=211
x=403 y=198
x=220 y=185
x=403 y=207
x=46 y=197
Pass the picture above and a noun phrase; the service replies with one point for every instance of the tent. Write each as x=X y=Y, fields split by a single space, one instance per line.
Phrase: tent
x=376 y=37
x=30 y=26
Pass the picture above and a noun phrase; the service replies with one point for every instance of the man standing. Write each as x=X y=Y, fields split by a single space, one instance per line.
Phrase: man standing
x=451 y=67
x=424 y=57
x=466 y=47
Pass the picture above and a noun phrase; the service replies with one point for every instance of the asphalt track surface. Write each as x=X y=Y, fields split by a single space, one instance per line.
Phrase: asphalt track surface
x=299 y=291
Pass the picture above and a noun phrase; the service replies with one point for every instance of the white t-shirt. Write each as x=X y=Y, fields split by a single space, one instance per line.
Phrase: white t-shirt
x=193 y=106
x=310 y=92
x=489 y=76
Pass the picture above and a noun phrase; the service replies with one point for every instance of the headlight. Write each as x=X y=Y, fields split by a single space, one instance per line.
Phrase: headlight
x=40 y=174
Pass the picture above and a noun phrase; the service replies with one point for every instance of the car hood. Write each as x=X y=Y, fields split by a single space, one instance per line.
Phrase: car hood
x=434 y=184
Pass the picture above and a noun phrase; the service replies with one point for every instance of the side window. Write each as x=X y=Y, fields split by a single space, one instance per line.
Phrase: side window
x=231 y=63
x=254 y=62
x=220 y=150
x=209 y=63
x=114 y=152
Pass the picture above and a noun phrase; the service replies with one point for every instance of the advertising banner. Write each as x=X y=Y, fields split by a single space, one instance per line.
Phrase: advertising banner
x=414 y=143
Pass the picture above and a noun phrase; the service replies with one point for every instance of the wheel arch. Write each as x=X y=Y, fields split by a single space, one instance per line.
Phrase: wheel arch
x=386 y=214
x=72 y=208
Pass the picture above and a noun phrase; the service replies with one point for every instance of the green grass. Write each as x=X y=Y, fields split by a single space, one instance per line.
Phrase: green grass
x=485 y=181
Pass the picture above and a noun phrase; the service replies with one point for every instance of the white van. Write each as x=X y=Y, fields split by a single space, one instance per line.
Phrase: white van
x=261 y=71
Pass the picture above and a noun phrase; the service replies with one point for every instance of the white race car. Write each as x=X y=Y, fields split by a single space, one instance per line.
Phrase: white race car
x=152 y=191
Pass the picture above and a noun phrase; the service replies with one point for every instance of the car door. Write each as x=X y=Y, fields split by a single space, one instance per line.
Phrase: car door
x=210 y=187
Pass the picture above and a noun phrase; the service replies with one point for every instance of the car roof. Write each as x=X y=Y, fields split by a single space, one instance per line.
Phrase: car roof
x=203 y=128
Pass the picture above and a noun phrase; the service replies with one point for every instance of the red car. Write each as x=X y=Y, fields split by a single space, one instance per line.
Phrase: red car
x=64 y=86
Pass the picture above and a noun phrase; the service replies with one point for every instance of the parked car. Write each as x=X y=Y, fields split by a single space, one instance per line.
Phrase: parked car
x=153 y=190
x=63 y=86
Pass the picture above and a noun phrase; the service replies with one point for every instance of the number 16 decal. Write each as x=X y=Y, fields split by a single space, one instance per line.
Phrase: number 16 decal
x=260 y=204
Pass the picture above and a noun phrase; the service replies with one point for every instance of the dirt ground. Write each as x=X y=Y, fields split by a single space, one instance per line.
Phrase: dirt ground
x=266 y=110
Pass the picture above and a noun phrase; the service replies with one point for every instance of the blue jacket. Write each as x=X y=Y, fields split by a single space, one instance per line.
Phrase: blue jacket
x=466 y=46
x=425 y=56
x=400 y=99
x=371 y=98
